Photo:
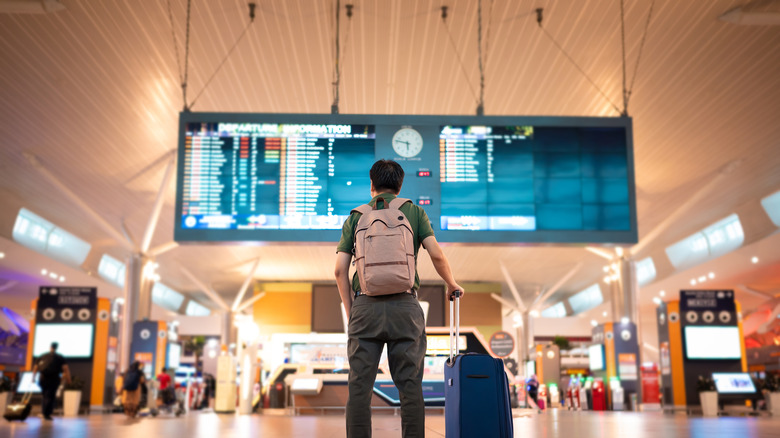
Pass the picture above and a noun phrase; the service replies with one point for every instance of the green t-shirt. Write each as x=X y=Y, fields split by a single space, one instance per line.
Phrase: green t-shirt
x=421 y=229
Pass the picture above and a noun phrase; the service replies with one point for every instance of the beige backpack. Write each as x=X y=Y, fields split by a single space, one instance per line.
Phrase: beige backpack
x=384 y=249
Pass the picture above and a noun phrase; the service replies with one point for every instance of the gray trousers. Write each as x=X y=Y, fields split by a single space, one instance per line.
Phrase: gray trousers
x=398 y=321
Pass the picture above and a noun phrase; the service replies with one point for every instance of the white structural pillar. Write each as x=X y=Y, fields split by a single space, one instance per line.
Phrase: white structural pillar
x=227 y=335
x=248 y=362
x=137 y=303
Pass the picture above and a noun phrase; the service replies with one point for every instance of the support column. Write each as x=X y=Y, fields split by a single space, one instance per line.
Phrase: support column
x=630 y=290
x=137 y=304
x=227 y=335
x=528 y=335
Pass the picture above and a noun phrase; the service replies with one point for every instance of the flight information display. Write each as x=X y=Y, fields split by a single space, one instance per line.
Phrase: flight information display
x=485 y=179
x=248 y=176
x=525 y=178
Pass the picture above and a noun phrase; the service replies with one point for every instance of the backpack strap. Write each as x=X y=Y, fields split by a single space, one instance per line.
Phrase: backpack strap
x=363 y=209
x=398 y=202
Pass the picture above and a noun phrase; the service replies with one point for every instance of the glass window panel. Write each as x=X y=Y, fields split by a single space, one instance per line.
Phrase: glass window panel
x=771 y=205
x=555 y=311
x=586 y=299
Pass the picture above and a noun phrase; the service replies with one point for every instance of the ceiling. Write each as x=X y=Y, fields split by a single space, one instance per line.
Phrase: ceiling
x=93 y=92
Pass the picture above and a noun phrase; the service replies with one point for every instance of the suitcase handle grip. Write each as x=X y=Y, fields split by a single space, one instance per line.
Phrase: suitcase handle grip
x=454 y=325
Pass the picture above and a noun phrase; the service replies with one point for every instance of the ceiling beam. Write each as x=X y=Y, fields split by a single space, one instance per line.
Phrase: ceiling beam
x=506 y=302
x=543 y=297
x=249 y=302
x=36 y=164
x=161 y=249
x=249 y=277
x=206 y=290
x=512 y=287
x=158 y=203
x=600 y=252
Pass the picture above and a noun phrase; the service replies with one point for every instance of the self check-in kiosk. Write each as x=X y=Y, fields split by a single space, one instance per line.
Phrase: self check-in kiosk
x=150 y=346
x=698 y=335
x=81 y=324
x=614 y=359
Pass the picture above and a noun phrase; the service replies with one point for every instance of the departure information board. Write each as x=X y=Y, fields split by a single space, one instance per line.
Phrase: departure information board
x=273 y=176
x=296 y=177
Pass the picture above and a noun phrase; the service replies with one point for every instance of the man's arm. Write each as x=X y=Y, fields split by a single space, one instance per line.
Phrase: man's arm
x=342 y=279
x=66 y=374
x=442 y=265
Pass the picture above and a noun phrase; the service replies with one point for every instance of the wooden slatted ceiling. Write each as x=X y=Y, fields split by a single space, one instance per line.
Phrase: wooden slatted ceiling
x=94 y=92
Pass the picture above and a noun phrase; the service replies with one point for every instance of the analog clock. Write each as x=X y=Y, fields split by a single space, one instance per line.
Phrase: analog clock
x=407 y=142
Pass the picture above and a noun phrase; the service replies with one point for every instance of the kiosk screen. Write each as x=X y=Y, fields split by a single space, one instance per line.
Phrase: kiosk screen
x=75 y=339
x=733 y=383
x=596 y=355
x=702 y=342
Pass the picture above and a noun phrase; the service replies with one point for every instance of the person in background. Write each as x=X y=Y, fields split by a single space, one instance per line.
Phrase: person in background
x=165 y=391
x=50 y=365
x=532 y=389
x=132 y=380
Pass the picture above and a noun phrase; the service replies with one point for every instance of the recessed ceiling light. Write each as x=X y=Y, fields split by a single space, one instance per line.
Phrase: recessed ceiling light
x=657 y=301
x=605 y=313
x=693 y=282
x=607 y=279
x=52 y=275
x=593 y=323
x=624 y=320
x=44 y=272
x=62 y=279
x=2 y=255
x=702 y=279
x=662 y=293
x=606 y=268
x=711 y=275
x=754 y=260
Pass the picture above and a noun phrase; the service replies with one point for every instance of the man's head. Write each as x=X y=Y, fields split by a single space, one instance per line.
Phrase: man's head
x=386 y=176
x=54 y=346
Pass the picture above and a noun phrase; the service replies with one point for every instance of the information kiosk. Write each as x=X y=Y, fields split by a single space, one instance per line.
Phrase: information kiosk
x=699 y=335
x=81 y=324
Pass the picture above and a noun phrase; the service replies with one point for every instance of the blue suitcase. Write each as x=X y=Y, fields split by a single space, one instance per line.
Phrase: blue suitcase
x=476 y=392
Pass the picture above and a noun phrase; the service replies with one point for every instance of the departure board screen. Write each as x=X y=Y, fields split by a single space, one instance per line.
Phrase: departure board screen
x=247 y=176
x=525 y=178
x=264 y=178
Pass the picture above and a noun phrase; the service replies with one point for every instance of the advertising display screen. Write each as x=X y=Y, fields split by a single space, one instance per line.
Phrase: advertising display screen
x=75 y=340
x=596 y=357
x=296 y=177
x=712 y=342
x=734 y=383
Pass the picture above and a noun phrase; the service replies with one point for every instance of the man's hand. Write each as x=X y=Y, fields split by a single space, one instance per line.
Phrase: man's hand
x=452 y=288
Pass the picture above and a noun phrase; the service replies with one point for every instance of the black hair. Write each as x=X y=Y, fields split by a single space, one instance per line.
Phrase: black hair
x=387 y=175
x=55 y=345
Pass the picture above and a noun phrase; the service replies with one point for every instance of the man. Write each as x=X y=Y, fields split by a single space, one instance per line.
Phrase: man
x=50 y=365
x=395 y=319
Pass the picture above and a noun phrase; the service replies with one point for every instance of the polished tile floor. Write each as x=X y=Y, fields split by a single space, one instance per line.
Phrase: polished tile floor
x=555 y=423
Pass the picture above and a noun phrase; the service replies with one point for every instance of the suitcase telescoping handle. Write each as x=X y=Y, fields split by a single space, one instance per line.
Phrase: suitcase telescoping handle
x=454 y=324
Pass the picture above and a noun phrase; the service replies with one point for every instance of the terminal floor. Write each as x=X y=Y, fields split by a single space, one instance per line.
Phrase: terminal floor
x=555 y=423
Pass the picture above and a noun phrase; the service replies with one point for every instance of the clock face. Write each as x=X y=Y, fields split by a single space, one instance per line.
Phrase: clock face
x=407 y=142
